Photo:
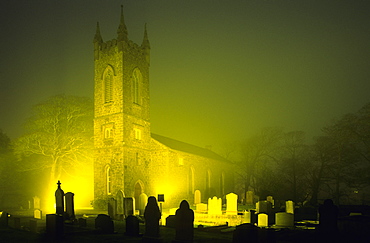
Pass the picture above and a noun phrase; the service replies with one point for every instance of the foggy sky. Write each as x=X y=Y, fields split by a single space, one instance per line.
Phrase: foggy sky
x=220 y=70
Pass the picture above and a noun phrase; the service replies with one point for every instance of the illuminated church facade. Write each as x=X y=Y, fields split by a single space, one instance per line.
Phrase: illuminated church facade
x=129 y=159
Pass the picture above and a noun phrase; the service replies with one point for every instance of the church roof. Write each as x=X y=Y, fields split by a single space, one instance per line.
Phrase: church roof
x=188 y=148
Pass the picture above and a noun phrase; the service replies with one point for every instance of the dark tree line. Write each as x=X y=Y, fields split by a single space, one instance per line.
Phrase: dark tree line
x=335 y=165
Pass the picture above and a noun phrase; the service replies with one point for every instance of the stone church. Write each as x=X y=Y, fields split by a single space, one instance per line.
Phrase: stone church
x=129 y=160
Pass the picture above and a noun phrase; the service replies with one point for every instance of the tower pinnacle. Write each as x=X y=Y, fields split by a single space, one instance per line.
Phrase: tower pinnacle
x=97 y=37
x=145 y=43
x=122 y=29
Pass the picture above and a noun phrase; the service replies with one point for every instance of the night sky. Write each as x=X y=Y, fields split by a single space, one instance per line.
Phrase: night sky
x=220 y=70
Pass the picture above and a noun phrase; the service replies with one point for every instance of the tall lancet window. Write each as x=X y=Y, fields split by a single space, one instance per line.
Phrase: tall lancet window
x=136 y=80
x=108 y=86
x=108 y=180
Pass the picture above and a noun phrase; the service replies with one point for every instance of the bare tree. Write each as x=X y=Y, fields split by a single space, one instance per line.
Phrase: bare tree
x=255 y=151
x=60 y=130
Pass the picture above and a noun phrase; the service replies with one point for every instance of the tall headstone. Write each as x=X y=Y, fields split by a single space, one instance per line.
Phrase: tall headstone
x=249 y=198
x=70 y=208
x=36 y=202
x=112 y=207
x=184 y=223
x=214 y=206
x=59 y=200
x=232 y=203
x=289 y=207
x=197 y=197
x=143 y=199
x=262 y=220
x=152 y=215
x=37 y=214
x=128 y=206
x=119 y=210
x=271 y=200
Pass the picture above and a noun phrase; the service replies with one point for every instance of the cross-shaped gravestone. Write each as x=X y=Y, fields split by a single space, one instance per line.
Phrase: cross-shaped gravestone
x=59 y=200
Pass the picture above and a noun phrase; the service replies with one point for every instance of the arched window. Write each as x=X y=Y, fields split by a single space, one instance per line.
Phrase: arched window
x=136 y=80
x=208 y=184
x=108 y=180
x=108 y=86
x=191 y=180
x=222 y=184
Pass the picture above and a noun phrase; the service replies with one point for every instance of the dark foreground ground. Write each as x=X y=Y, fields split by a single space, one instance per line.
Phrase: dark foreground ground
x=74 y=233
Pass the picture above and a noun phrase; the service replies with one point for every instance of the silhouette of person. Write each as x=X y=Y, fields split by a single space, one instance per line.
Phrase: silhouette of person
x=152 y=215
x=184 y=223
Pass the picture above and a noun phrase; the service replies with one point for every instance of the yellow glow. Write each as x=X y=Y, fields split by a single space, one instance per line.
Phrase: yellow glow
x=165 y=188
x=82 y=187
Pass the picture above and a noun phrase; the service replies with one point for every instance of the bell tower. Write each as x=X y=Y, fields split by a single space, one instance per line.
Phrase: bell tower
x=121 y=108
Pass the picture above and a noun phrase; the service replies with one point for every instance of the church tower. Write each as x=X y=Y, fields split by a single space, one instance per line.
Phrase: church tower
x=121 y=112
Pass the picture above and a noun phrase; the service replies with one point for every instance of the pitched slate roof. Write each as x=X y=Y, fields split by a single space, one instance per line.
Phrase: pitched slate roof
x=188 y=148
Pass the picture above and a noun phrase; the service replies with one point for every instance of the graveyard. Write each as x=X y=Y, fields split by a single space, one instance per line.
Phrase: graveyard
x=216 y=221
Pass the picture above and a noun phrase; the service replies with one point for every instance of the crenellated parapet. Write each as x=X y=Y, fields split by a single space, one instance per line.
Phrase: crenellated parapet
x=121 y=43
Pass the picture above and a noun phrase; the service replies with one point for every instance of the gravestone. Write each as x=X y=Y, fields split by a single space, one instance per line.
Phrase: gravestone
x=253 y=216
x=33 y=225
x=36 y=202
x=214 y=206
x=152 y=215
x=263 y=207
x=4 y=219
x=37 y=214
x=128 y=206
x=132 y=226
x=112 y=207
x=266 y=207
x=82 y=222
x=171 y=221
x=119 y=210
x=184 y=223
x=54 y=226
x=17 y=222
x=262 y=220
x=232 y=204
x=271 y=200
x=201 y=207
x=70 y=208
x=59 y=200
x=283 y=219
x=143 y=199
x=197 y=197
x=104 y=224
x=245 y=233
x=246 y=218
x=249 y=198
x=289 y=207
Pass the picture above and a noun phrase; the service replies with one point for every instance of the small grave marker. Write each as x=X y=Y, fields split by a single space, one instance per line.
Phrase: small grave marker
x=197 y=197
x=104 y=224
